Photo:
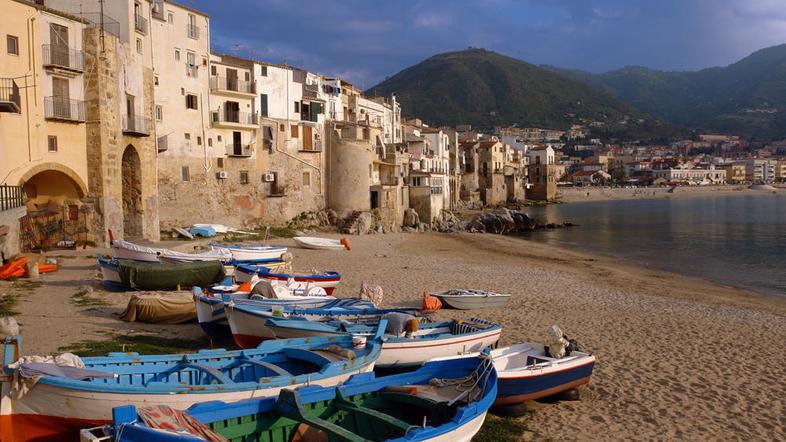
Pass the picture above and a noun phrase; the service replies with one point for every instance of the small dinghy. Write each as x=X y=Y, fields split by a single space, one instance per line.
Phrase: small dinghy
x=327 y=280
x=313 y=242
x=252 y=253
x=135 y=252
x=247 y=320
x=57 y=406
x=441 y=401
x=465 y=299
x=399 y=348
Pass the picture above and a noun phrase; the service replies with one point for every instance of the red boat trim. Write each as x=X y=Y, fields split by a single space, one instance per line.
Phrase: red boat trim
x=509 y=400
x=247 y=341
x=573 y=367
x=26 y=427
x=474 y=338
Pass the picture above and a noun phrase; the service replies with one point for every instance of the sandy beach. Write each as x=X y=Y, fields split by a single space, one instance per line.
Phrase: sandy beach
x=677 y=357
x=579 y=194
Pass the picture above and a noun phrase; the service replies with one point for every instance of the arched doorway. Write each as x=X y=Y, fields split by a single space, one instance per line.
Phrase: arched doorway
x=131 y=172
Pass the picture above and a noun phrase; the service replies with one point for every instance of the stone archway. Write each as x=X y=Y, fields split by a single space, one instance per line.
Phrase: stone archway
x=131 y=172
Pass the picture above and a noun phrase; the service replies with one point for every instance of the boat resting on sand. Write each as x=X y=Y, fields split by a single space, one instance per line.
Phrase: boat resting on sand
x=466 y=299
x=122 y=275
x=242 y=253
x=58 y=406
x=430 y=340
x=313 y=242
x=327 y=280
x=444 y=401
x=135 y=252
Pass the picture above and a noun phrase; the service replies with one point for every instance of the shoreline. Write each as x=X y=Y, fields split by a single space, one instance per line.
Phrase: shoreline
x=588 y=194
x=668 y=346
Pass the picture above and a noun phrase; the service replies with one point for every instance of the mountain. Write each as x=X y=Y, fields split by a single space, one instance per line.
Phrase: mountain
x=485 y=89
x=746 y=98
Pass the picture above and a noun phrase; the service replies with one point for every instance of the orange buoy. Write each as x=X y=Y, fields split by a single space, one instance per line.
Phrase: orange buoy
x=345 y=243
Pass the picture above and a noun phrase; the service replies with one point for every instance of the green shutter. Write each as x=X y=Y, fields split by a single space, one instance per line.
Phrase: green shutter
x=263 y=105
x=316 y=109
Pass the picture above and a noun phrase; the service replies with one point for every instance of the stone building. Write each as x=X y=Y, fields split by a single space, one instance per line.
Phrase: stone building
x=491 y=175
x=542 y=173
x=469 y=190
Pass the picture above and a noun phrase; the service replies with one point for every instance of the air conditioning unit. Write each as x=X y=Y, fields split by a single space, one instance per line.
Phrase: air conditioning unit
x=222 y=175
x=268 y=177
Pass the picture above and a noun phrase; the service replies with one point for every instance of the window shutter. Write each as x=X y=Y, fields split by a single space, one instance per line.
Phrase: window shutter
x=263 y=104
x=316 y=109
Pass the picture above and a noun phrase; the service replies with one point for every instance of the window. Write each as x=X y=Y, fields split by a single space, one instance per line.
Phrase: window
x=12 y=44
x=213 y=70
x=185 y=173
x=263 y=71
x=247 y=76
x=199 y=141
x=282 y=128
x=155 y=80
x=263 y=105
x=191 y=101
x=294 y=129
x=218 y=138
x=170 y=17
x=297 y=107
x=139 y=45
x=188 y=136
x=243 y=177
x=159 y=112
x=204 y=61
x=209 y=142
x=220 y=163
x=177 y=55
x=52 y=143
x=306 y=179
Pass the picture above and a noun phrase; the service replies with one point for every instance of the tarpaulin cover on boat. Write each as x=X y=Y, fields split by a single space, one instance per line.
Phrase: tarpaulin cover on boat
x=152 y=276
x=160 y=308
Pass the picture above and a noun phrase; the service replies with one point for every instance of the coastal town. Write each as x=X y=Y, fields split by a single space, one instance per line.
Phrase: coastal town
x=122 y=120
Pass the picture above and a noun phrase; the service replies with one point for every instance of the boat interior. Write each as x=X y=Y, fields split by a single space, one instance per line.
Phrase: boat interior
x=240 y=367
x=381 y=415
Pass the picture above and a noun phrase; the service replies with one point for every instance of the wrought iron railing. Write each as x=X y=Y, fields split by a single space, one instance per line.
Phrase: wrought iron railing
x=140 y=23
x=239 y=150
x=231 y=116
x=192 y=70
x=64 y=57
x=137 y=125
x=62 y=108
x=9 y=95
x=193 y=31
x=11 y=197
x=232 y=84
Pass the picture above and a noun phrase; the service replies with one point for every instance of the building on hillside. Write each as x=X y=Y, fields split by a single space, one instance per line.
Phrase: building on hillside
x=542 y=174
x=735 y=173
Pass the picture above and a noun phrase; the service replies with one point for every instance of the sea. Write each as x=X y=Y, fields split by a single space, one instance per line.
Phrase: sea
x=738 y=240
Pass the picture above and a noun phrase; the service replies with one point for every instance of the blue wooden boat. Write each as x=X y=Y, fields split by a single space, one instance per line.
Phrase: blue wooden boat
x=430 y=340
x=211 y=307
x=327 y=280
x=526 y=372
x=247 y=320
x=60 y=405
x=441 y=401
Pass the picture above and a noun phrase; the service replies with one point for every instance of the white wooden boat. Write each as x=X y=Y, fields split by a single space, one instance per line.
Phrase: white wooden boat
x=173 y=257
x=252 y=253
x=327 y=280
x=313 y=242
x=63 y=401
x=466 y=299
x=526 y=372
x=135 y=252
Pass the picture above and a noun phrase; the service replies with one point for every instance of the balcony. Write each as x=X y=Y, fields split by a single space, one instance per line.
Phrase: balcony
x=140 y=24
x=157 y=10
x=389 y=181
x=192 y=70
x=62 y=57
x=233 y=119
x=193 y=31
x=137 y=125
x=163 y=143
x=232 y=85
x=9 y=96
x=239 y=150
x=64 y=109
x=316 y=146
x=310 y=90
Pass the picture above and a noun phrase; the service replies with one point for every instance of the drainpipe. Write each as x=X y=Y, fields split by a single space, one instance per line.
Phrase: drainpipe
x=208 y=165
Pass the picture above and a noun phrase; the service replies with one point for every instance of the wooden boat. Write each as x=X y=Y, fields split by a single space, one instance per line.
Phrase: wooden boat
x=402 y=407
x=110 y=273
x=431 y=340
x=327 y=280
x=527 y=373
x=465 y=299
x=247 y=321
x=252 y=253
x=135 y=252
x=313 y=242
x=56 y=406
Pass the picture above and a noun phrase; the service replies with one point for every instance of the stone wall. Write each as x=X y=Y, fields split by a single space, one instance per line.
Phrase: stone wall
x=349 y=180
x=9 y=219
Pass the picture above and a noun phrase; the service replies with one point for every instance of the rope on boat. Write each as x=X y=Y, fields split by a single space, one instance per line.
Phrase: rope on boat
x=468 y=385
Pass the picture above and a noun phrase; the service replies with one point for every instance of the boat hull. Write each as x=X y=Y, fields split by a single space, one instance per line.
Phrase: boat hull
x=318 y=243
x=515 y=388
x=474 y=302
x=243 y=254
x=329 y=284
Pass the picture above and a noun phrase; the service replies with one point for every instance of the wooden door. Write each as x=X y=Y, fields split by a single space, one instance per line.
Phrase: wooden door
x=58 y=45
x=237 y=143
x=308 y=143
x=231 y=79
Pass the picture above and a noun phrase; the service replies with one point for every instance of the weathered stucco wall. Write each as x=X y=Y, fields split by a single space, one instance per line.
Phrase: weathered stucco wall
x=349 y=165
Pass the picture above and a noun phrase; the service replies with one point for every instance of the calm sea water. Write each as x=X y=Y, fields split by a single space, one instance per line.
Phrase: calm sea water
x=735 y=239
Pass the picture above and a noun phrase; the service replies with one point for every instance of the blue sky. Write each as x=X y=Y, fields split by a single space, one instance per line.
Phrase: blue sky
x=365 y=41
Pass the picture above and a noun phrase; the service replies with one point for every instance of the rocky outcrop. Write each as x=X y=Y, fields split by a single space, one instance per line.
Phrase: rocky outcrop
x=312 y=220
x=411 y=218
x=447 y=222
x=504 y=221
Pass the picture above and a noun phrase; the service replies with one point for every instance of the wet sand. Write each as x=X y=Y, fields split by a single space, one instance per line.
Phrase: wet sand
x=677 y=357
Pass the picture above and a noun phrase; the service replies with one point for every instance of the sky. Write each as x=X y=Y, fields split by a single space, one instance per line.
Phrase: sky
x=364 y=41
